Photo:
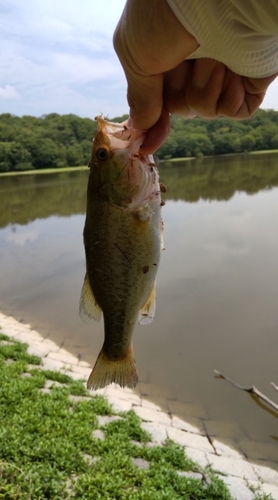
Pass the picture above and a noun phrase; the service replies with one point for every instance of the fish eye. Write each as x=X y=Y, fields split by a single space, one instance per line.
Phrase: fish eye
x=102 y=154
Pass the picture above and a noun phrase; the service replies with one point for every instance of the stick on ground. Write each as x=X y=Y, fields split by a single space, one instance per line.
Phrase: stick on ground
x=274 y=386
x=251 y=390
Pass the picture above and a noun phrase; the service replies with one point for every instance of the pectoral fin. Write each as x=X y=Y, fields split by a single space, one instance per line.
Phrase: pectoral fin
x=88 y=306
x=147 y=311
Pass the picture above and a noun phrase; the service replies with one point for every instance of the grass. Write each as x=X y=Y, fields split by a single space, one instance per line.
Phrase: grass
x=43 y=171
x=177 y=160
x=49 y=448
x=259 y=152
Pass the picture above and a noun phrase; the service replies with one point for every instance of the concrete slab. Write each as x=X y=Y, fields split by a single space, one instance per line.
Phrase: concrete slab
x=269 y=489
x=107 y=419
x=233 y=467
x=38 y=349
x=157 y=431
x=189 y=439
x=159 y=424
x=63 y=356
x=52 y=364
x=266 y=475
x=238 y=488
x=198 y=456
x=145 y=403
x=119 y=404
x=224 y=450
x=140 y=463
x=149 y=415
x=98 y=434
x=122 y=393
x=52 y=347
x=185 y=426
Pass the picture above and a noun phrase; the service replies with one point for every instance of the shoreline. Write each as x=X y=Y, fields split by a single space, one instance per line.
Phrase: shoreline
x=247 y=153
x=240 y=473
x=173 y=160
x=44 y=171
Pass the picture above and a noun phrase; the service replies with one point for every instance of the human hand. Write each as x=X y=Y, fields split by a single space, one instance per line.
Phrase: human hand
x=152 y=46
x=150 y=41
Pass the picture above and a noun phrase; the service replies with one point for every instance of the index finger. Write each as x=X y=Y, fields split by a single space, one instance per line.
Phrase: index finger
x=157 y=134
x=145 y=98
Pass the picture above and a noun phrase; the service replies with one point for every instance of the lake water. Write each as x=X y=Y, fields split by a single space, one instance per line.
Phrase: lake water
x=217 y=288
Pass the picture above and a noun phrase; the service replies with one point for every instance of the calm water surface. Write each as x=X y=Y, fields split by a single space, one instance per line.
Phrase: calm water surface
x=217 y=288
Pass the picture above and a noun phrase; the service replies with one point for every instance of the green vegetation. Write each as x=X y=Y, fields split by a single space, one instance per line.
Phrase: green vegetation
x=57 y=141
x=201 y=137
x=219 y=178
x=48 y=449
x=30 y=197
x=61 y=170
x=54 y=141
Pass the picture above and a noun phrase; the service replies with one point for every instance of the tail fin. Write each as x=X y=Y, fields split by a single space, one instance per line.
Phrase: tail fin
x=122 y=371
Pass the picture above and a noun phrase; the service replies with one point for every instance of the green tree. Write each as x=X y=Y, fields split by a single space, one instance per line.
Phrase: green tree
x=5 y=157
x=168 y=149
x=74 y=155
x=48 y=154
x=227 y=142
x=55 y=140
x=13 y=156
x=248 y=142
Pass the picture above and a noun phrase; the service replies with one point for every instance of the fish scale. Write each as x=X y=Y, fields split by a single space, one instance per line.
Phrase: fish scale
x=122 y=238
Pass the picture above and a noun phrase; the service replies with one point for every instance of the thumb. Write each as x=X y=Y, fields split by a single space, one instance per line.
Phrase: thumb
x=145 y=98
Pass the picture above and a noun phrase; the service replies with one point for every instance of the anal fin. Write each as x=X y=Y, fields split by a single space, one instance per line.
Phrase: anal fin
x=88 y=307
x=147 y=311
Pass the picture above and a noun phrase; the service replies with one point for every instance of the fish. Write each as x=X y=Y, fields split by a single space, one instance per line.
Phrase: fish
x=123 y=238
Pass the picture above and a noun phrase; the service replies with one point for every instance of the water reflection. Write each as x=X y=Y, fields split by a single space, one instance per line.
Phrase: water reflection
x=27 y=198
x=219 y=178
x=217 y=287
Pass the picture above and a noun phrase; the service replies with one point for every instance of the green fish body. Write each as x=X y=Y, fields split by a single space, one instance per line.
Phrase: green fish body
x=123 y=240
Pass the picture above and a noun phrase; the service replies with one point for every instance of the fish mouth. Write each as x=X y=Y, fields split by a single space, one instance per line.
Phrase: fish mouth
x=136 y=174
x=121 y=136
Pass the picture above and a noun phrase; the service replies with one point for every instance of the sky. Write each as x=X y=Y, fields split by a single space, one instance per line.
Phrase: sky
x=58 y=57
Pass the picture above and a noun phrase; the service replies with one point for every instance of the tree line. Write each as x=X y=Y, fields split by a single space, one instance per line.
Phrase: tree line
x=51 y=141
x=200 y=137
x=55 y=140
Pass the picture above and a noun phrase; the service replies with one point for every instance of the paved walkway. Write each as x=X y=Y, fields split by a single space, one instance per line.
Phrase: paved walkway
x=241 y=474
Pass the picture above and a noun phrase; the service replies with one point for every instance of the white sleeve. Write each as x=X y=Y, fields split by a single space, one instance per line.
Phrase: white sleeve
x=242 y=34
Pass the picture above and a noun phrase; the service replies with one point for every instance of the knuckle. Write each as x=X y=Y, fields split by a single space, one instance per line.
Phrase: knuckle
x=202 y=106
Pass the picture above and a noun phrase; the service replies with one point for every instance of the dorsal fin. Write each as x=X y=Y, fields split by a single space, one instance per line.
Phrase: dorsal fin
x=88 y=307
x=147 y=311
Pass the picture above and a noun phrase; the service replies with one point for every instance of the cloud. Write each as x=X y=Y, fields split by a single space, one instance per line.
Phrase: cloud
x=8 y=92
x=60 y=58
x=22 y=237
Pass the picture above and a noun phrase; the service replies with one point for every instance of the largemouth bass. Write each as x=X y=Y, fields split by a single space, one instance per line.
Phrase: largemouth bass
x=123 y=240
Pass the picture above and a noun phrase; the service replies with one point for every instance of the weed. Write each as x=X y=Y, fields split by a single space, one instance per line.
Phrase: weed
x=48 y=449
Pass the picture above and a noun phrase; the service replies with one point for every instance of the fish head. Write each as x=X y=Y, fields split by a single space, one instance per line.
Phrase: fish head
x=121 y=174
